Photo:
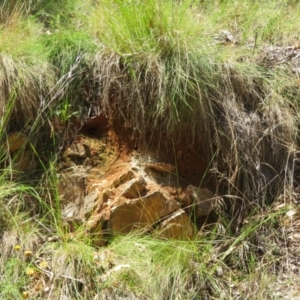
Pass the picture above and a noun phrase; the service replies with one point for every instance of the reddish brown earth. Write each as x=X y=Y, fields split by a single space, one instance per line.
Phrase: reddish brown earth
x=125 y=187
x=111 y=185
x=191 y=161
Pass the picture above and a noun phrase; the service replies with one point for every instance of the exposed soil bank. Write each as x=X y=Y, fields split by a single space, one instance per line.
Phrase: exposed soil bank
x=191 y=161
x=111 y=184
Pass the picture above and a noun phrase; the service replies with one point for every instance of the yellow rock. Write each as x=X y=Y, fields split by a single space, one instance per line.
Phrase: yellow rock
x=140 y=213
x=133 y=188
x=15 y=141
x=24 y=161
x=122 y=179
x=201 y=202
x=177 y=226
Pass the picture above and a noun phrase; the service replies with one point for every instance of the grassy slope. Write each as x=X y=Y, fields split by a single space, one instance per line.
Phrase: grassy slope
x=166 y=57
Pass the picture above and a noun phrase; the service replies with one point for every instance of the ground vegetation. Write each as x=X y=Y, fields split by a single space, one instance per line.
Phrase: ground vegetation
x=221 y=76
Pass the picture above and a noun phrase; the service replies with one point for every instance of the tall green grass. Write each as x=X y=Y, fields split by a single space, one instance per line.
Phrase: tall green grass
x=156 y=27
x=217 y=264
x=180 y=82
x=156 y=51
x=25 y=73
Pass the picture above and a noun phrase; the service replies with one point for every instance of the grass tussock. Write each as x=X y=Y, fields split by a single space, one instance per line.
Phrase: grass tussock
x=195 y=93
x=25 y=73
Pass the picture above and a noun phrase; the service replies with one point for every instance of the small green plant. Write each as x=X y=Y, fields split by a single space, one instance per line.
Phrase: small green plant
x=64 y=112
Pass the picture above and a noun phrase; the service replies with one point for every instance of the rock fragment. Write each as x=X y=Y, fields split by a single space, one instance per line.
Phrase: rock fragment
x=133 y=188
x=177 y=226
x=161 y=167
x=122 y=179
x=15 y=141
x=71 y=191
x=75 y=150
x=24 y=160
x=94 y=228
x=89 y=202
x=199 y=201
x=140 y=213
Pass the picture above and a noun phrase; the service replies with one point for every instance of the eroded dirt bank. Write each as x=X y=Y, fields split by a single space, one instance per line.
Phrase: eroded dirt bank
x=110 y=184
